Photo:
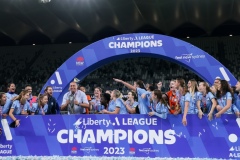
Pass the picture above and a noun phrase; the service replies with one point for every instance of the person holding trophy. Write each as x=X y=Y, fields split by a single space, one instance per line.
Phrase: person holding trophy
x=74 y=101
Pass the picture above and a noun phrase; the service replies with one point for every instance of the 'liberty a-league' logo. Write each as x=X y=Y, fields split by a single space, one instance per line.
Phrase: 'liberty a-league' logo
x=78 y=123
x=58 y=77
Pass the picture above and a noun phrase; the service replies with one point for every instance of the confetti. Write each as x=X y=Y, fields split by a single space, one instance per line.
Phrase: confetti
x=53 y=130
x=199 y=134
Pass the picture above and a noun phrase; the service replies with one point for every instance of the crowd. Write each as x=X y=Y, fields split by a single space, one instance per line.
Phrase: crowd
x=25 y=103
x=35 y=64
x=193 y=98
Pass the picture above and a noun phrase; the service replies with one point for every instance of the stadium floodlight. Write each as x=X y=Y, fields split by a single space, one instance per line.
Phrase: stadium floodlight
x=188 y=37
x=230 y=35
x=44 y=1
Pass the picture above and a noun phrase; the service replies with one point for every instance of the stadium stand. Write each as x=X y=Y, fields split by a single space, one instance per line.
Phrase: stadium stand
x=34 y=64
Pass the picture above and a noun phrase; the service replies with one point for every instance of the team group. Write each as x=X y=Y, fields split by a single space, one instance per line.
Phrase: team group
x=193 y=98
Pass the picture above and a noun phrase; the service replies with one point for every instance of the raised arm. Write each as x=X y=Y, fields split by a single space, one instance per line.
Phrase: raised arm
x=131 y=87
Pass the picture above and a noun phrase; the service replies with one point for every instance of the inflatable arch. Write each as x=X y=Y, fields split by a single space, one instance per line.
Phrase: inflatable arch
x=123 y=46
x=121 y=136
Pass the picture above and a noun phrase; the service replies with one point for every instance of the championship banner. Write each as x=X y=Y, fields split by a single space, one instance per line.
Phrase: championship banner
x=123 y=136
x=119 y=47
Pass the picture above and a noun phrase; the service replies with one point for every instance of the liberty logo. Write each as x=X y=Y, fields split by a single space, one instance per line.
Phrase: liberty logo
x=82 y=123
x=59 y=80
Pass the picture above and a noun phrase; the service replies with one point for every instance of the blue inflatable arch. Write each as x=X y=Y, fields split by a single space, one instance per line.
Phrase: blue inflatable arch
x=119 y=47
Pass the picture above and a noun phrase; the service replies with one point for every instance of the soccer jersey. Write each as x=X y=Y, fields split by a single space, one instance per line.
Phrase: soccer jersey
x=143 y=103
x=192 y=109
x=160 y=110
x=183 y=99
x=10 y=95
x=237 y=101
x=133 y=105
x=97 y=107
x=206 y=101
x=222 y=101
x=117 y=103
x=173 y=102
x=5 y=108
x=18 y=108
x=39 y=111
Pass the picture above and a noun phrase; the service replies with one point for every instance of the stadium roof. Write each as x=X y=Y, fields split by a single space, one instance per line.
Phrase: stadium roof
x=62 y=21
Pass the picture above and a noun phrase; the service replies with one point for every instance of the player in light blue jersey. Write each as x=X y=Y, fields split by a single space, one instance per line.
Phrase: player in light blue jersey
x=138 y=87
x=191 y=98
x=206 y=101
x=148 y=94
x=41 y=107
x=20 y=106
x=116 y=106
x=95 y=104
x=159 y=106
x=237 y=98
x=5 y=104
x=193 y=90
x=224 y=98
x=185 y=99
x=180 y=91
x=215 y=86
x=130 y=103
x=11 y=91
